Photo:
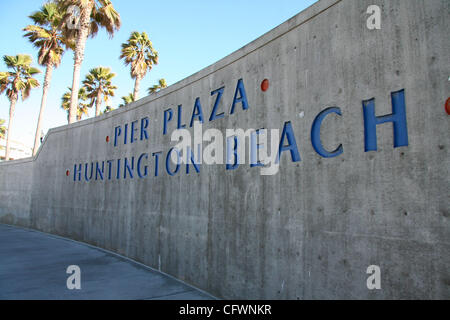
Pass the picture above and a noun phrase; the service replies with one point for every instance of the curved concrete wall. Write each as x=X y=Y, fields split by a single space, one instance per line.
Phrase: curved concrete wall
x=311 y=230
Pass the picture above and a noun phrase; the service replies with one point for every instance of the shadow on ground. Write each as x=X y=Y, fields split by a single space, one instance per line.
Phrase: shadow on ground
x=33 y=266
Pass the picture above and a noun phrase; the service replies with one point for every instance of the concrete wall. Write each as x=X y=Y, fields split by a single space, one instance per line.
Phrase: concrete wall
x=16 y=190
x=311 y=230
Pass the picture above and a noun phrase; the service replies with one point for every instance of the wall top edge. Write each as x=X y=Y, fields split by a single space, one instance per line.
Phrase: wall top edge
x=287 y=26
x=294 y=22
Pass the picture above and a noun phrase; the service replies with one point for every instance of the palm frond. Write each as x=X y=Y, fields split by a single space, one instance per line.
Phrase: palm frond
x=20 y=80
x=138 y=52
x=155 y=88
x=98 y=82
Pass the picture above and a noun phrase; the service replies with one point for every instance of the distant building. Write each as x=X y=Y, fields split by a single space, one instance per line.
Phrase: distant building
x=18 y=150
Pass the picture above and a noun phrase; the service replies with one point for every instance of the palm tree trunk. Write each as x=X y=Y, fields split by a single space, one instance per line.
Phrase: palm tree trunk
x=47 y=79
x=98 y=103
x=137 y=84
x=12 y=108
x=80 y=45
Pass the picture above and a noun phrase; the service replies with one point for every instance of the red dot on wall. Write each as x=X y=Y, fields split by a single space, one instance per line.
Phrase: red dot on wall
x=107 y=138
x=67 y=173
x=265 y=85
x=447 y=106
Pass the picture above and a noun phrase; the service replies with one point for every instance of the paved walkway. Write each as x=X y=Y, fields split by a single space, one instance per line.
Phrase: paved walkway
x=33 y=266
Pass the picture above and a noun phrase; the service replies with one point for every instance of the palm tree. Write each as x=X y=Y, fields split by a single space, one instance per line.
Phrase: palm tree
x=138 y=51
x=107 y=109
x=47 y=36
x=17 y=82
x=82 y=108
x=2 y=129
x=161 y=84
x=126 y=100
x=98 y=85
x=93 y=15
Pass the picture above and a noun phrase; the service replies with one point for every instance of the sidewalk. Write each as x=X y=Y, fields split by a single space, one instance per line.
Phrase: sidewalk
x=33 y=266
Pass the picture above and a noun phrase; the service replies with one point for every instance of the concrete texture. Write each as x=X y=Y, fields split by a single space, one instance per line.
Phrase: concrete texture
x=33 y=266
x=308 y=232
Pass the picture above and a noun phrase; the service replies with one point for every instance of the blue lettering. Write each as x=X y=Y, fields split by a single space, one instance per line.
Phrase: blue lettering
x=240 y=89
x=99 y=172
x=109 y=162
x=254 y=147
x=128 y=168
x=288 y=133
x=215 y=116
x=192 y=160
x=118 y=169
x=144 y=155
x=168 y=114
x=156 y=155
x=86 y=171
x=315 y=134
x=197 y=112
x=144 y=125
x=398 y=117
x=133 y=130
x=180 y=111
x=168 y=157
x=125 y=133
x=232 y=152
x=117 y=133
x=75 y=172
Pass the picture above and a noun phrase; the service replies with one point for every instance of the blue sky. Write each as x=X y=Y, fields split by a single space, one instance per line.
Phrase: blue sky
x=188 y=35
